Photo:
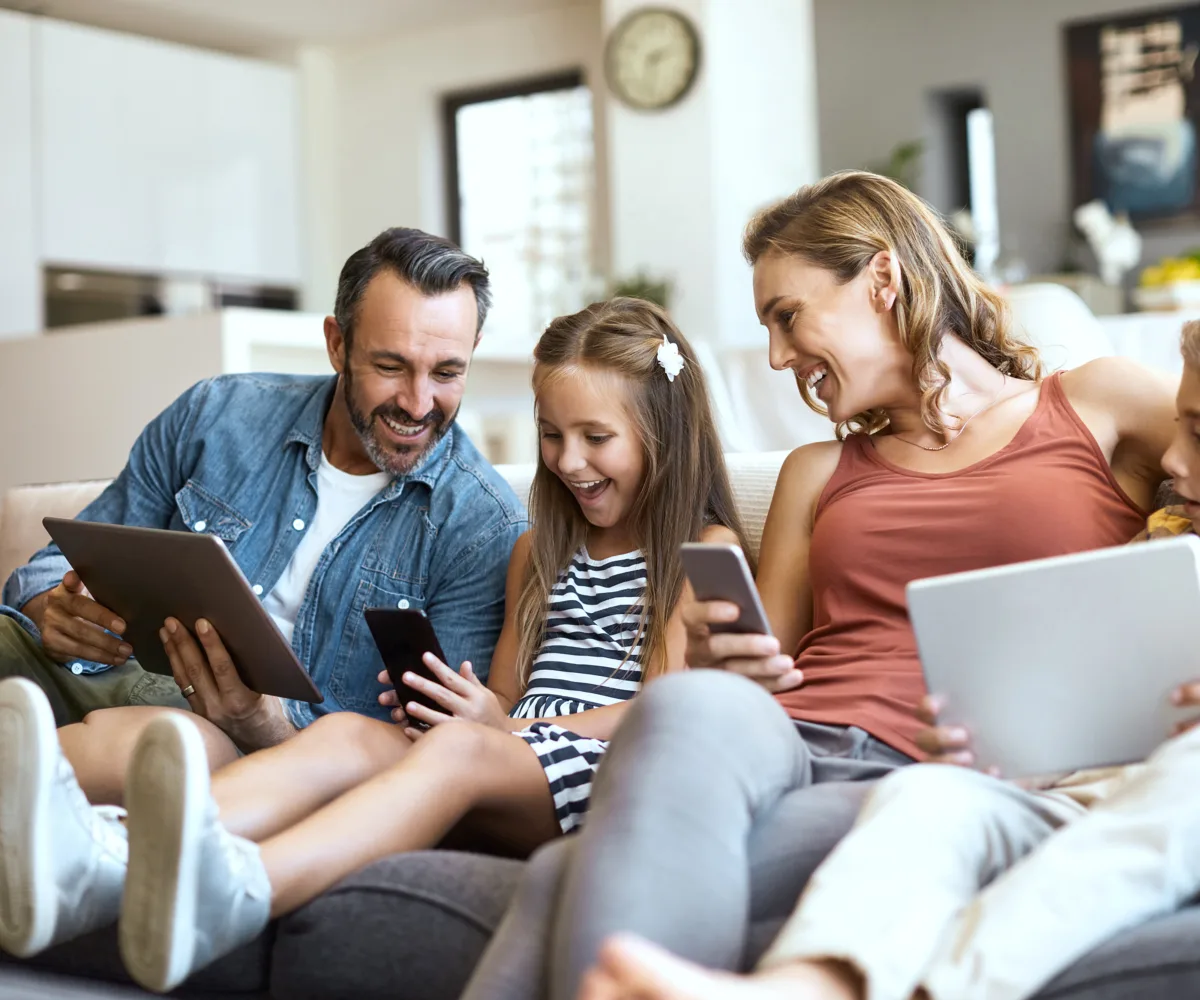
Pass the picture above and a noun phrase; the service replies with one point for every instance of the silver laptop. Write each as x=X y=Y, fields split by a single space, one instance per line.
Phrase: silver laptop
x=1064 y=663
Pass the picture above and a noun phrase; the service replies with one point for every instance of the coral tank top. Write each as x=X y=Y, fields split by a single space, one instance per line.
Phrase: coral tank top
x=1048 y=492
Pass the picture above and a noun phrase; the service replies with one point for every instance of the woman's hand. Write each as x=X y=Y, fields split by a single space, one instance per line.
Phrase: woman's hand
x=756 y=657
x=943 y=744
x=1186 y=696
x=461 y=693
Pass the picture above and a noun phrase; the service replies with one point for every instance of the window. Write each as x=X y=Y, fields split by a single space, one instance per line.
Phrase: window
x=521 y=196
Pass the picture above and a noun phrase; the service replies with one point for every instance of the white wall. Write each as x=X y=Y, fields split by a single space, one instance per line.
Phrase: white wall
x=74 y=401
x=877 y=62
x=377 y=112
x=162 y=158
x=20 y=281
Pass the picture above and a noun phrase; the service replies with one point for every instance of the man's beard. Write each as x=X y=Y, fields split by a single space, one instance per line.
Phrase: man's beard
x=396 y=459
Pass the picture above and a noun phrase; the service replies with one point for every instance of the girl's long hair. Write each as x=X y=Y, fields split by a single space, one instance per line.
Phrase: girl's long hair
x=840 y=223
x=684 y=487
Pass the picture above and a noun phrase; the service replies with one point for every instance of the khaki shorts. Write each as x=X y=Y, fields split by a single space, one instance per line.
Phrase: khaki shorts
x=71 y=695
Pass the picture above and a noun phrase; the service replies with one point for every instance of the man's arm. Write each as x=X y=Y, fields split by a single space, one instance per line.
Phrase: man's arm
x=142 y=495
x=466 y=599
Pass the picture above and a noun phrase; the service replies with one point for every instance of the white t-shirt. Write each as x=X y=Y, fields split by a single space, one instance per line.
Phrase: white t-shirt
x=339 y=497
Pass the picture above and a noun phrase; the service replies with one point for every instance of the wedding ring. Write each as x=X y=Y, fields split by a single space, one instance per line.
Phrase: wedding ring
x=188 y=691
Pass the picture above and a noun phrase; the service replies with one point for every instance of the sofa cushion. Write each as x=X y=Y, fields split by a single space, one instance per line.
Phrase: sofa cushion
x=243 y=973
x=410 y=927
x=21 y=531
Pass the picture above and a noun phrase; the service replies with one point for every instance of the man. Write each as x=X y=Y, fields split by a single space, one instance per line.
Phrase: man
x=332 y=494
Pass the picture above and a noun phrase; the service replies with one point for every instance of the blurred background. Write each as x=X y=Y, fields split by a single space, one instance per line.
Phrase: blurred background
x=181 y=180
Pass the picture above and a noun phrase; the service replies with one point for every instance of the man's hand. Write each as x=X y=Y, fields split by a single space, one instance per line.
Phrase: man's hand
x=943 y=744
x=461 y=693
x=73 y=625
x=756 y=657
x=205 y=671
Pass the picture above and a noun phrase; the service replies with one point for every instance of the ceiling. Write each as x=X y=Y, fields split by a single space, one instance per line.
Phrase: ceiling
x=271 y=26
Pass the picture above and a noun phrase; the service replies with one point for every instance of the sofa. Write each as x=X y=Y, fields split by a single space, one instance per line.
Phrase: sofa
x=411 y=927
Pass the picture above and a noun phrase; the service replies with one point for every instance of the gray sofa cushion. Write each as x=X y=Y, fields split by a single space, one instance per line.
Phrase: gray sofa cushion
x=410 y=927
x=413 y=926
x=244 y=973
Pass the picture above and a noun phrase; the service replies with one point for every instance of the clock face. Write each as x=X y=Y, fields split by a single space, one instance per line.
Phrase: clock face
x=653 y=57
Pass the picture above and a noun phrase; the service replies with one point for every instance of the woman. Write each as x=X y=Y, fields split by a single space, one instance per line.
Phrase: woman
x=953 y=454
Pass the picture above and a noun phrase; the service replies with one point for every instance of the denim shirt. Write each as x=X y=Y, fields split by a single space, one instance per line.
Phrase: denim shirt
x=237 y=456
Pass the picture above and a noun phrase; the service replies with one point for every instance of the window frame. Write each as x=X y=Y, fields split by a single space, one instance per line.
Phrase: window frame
x=453 y=102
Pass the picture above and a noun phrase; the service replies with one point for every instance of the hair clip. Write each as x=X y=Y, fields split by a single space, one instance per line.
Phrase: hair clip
x=669 y=358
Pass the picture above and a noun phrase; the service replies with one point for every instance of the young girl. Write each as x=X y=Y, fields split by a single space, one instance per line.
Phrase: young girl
x=630 y=467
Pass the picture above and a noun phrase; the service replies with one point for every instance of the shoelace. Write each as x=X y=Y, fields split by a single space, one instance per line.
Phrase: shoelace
x=242 y=854
x=102 y=822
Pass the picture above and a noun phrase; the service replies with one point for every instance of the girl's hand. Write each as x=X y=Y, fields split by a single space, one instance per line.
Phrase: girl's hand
x=756 y=657
x=943 y=744
x=1186 y=696
x=461 y=693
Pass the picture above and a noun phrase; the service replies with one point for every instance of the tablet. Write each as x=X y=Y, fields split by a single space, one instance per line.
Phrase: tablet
x=1064 y=663
x=146 y=575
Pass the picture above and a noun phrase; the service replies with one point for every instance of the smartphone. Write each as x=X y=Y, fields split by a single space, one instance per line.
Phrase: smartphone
x=403 y=637
x=719 y=572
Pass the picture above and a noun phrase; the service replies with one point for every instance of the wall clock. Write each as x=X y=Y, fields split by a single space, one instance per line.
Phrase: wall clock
x=652 y=58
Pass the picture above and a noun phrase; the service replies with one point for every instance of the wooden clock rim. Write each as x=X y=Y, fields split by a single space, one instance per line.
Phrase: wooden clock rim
x=619 y=29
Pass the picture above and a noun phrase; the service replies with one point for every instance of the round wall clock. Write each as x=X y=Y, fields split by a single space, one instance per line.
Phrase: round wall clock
x=652 y=58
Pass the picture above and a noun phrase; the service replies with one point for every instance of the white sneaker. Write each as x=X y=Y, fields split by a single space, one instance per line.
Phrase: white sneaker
x=62 y=860
x=194 y=892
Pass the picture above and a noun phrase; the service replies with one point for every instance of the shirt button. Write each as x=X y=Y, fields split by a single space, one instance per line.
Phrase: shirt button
x=200 y=525
x=257 y=588
x=77 y=669
x=298 y=524
x=402 y=603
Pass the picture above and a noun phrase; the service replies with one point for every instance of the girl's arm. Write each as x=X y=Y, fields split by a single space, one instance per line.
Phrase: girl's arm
x=601 y=723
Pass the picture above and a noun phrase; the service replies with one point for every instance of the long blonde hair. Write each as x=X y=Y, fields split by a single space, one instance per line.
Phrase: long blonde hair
x=684 y=486
x=843 y=221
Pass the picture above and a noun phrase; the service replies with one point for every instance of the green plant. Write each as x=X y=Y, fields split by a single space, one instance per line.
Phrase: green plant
x=642 y=286
x=902 y=163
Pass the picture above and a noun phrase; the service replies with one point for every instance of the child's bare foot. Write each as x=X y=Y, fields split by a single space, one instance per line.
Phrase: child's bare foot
x=632 y=969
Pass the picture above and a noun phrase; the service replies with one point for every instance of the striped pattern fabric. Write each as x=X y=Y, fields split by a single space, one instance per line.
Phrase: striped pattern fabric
x=589 y=658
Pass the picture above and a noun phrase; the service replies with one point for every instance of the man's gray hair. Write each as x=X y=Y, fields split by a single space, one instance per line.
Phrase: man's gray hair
x=431 y=264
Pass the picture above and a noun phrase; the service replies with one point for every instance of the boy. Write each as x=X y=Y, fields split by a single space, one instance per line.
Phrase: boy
x=955 y=885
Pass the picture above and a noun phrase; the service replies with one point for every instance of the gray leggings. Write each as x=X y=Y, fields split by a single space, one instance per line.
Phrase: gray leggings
x=708 y=815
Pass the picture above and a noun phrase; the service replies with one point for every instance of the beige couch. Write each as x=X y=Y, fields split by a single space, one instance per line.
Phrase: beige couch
x=22 y=534
x=411 y=927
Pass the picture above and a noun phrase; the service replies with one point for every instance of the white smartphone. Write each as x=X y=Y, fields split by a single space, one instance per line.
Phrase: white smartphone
x=719 y=572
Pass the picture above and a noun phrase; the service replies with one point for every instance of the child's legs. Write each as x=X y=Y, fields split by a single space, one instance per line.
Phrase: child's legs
x=100 y=746
x=273 y=789
x=1132 y=856
x=457 y=768
x=928 y=839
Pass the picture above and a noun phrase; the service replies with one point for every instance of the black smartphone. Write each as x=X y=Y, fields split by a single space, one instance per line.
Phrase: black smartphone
x=403 y=636
x=720 y=573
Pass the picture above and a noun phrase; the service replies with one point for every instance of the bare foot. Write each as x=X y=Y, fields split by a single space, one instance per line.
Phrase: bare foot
x=632 y=969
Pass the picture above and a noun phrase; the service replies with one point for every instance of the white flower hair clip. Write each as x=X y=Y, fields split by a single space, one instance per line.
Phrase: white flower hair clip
x=669 y=358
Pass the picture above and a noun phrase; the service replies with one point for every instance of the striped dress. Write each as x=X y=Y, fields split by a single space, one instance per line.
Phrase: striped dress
x=587 y=659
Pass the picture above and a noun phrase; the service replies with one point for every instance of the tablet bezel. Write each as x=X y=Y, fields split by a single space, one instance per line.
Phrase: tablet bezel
x=147 y=574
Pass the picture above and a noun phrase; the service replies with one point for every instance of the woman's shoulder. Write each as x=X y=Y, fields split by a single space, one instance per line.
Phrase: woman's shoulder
x=811 y=466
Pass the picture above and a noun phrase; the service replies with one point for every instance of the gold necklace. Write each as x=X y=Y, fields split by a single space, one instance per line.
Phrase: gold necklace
x=986 y=406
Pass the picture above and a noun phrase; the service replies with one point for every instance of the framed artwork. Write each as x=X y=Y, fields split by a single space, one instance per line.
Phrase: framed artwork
x=1135 y=105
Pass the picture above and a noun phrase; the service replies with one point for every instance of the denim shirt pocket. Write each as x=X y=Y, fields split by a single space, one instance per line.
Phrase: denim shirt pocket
x=204 y=513
x=353 y=681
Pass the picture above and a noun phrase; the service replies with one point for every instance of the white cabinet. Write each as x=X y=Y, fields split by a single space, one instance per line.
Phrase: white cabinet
x=20 y=282
x=157 y=157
